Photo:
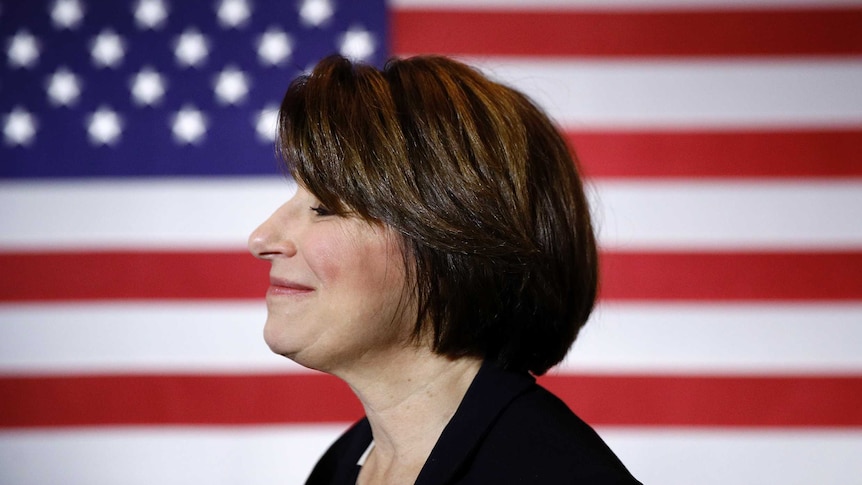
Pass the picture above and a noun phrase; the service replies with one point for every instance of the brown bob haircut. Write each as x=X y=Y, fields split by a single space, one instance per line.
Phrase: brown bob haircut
x=495 y=227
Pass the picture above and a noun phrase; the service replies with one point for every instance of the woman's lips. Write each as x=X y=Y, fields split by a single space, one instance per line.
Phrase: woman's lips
x=279 y=286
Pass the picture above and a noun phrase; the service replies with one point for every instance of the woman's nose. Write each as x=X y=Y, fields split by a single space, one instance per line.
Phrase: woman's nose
x=271 y=238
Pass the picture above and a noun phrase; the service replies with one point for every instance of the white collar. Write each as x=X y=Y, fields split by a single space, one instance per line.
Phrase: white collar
x=364 y=456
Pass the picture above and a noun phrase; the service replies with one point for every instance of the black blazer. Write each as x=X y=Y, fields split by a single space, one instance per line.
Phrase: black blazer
x=507 y=430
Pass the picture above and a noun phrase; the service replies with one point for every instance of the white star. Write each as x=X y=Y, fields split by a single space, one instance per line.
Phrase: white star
x=357 y=44
x=64 y=87
x=19 y=127
x=148 y=87
x=189 y=125
x=67 y=14
x=23 y=50
x=233 y=13
x=191 y=48
x=274 y=47
x=104 y=127
x=107 y=49
x=314 y=13
x=150 y=14
x=266 y=122
x=231 y=85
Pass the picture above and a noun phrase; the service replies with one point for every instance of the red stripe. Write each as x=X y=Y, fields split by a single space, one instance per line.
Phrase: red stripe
x=260 y=399
x=731 y=276
x=712 y=401
x=625 y=276
x=131 y=275
x=725 y=32
x=801 y=153
x=174 y=399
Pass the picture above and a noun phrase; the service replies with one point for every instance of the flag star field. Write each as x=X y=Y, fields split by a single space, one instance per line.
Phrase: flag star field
x=133 y=81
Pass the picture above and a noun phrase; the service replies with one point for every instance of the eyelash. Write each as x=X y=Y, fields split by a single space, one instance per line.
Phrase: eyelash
x=321 y=211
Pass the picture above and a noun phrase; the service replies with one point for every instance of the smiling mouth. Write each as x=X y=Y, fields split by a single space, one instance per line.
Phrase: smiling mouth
x=287 y=288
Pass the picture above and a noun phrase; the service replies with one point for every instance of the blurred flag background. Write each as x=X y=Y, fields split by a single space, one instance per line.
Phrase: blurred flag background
x=722 y=142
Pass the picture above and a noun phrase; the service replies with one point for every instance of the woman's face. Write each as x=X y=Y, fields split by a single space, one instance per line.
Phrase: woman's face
x=337 y=287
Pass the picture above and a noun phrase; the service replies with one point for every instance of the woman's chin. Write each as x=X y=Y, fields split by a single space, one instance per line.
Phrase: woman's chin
x=284 y=346
x=279 y=341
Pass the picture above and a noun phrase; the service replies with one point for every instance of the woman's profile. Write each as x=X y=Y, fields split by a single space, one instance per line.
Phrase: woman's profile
x=437 y=255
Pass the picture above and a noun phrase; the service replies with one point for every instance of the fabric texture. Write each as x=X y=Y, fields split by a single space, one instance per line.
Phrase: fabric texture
x=507 y=430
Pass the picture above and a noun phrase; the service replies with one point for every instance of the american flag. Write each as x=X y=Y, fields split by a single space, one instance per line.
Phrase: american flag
x=722 y=142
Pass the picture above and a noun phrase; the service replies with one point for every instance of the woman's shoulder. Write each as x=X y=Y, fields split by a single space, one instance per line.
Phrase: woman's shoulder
x=537 y=439
x=510 y=430
x=538 y=433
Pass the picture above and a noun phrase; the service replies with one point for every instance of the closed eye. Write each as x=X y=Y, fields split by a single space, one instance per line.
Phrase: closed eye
x=321 y=211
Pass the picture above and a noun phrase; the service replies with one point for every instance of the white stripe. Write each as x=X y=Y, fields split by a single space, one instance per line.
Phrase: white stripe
x=788 y=338
x=617 y=4
x=198 y=214
x=689 y=93
x=285 y=454
x=741 y=457
x=223 y=337
x=695 y=214
x=195 y=213
x=212 y=337
x=164 y=456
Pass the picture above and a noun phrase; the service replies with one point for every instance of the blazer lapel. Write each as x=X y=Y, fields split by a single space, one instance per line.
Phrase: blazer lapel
x=488 y=395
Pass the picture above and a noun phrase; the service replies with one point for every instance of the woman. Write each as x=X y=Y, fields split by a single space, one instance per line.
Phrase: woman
x=438 y=251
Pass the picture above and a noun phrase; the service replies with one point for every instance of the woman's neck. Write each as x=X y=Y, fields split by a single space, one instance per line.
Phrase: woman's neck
x=408 y=402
